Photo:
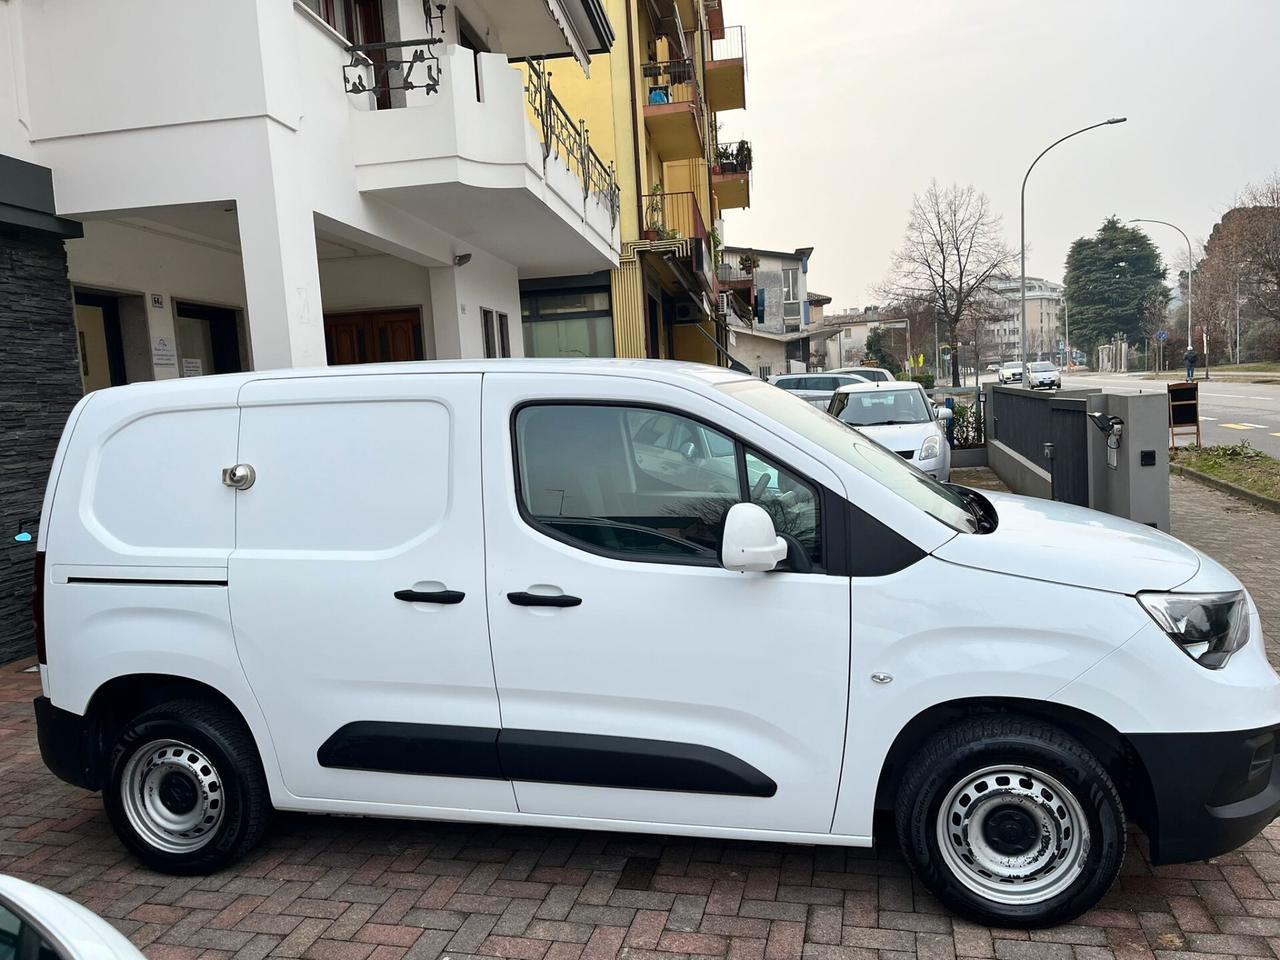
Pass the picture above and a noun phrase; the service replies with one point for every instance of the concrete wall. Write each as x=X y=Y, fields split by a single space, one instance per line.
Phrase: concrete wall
x=1130 y=489
x=39 y=384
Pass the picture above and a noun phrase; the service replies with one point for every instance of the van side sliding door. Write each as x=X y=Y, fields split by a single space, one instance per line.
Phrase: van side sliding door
x=357 y=591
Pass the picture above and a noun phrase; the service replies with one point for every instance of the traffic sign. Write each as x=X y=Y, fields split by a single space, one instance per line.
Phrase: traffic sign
x=1162 y=334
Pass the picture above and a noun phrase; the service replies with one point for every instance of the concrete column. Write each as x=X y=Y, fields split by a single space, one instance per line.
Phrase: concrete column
x=281 y=278
x=458 y=297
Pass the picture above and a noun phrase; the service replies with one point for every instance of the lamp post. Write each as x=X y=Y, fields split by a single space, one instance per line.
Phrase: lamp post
x=1190 y=270
x=1022 y=232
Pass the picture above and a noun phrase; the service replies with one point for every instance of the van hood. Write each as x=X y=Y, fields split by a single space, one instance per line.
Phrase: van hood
x=901 y=437
x=1061 y=543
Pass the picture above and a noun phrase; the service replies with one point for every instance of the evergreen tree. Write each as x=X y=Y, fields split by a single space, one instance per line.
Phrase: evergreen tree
x=1113 y=280
x=878 y=351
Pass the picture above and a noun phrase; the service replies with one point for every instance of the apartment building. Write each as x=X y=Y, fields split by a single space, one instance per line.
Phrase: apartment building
x=652 y=109
x=775 y=318
x=1001 y=336
x=188 y=189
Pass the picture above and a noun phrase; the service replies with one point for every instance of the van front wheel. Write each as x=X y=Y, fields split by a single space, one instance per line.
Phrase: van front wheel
x=1011 y=822
x=186 y=791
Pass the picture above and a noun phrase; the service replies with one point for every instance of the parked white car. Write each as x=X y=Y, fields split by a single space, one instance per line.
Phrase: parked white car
x=816 y=388
x=1010 y=372
x=311 y=590
x=901 y=418
x=868 y=373
x=1042 y=373
x=38 y=924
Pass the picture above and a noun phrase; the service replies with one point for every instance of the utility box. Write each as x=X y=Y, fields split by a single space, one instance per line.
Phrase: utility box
x=1130 y=474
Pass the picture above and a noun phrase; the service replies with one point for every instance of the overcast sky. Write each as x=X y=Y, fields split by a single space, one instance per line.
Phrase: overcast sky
x=853 y=105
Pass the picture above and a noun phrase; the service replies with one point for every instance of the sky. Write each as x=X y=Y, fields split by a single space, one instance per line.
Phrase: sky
x=854 y=105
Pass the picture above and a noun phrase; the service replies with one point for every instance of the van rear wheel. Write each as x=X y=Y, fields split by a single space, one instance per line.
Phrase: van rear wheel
x=186 y=792
x=1011 y=822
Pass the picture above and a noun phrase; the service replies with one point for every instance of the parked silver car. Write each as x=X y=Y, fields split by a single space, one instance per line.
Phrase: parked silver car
x=817 y=388
x=1043 y=374
x=873 y=374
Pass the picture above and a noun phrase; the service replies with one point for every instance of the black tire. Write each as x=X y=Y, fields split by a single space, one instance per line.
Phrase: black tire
x=961 y=752
x=237 y=783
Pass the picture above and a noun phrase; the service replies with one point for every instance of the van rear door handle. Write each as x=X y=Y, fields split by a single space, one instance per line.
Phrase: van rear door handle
x=522 y=599
x=430 y=596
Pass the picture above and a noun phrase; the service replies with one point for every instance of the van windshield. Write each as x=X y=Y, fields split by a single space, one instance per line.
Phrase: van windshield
x=913 y=485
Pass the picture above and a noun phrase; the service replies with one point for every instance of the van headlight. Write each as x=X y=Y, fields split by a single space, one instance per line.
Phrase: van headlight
x=932 y=447
x=1209 y=627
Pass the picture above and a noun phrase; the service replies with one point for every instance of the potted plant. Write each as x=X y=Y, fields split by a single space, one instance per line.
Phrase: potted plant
x=747 y=262
x=724 y=162
x=655 y=214
x=742 y=156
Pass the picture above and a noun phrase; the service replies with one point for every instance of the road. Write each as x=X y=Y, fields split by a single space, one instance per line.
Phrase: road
x=1229 y=412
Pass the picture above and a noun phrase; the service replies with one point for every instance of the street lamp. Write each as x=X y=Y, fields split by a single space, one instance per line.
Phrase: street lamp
x=1190 y=270
x=1022 y=235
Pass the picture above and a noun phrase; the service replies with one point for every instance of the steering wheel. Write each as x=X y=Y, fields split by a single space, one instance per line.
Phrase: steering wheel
x=760 y=486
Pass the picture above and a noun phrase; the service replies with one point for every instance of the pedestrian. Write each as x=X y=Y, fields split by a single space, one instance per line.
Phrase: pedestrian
x=1191 y=363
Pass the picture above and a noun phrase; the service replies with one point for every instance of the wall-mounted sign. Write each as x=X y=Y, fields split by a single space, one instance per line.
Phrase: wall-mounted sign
x=164 y=352
x=192 y=367
x=157 y=301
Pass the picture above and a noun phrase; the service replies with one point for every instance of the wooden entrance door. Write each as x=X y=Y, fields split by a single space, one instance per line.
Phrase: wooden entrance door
x=373 y=336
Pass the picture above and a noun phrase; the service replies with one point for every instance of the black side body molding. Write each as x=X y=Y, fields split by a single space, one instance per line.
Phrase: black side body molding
x=426 y=749
x=538 y=756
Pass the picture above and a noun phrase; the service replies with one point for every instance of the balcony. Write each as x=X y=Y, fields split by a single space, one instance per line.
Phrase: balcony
x=731 y=175
x=727 y=71
x=715 y=18
x=674 y=220
x=734 y=277
x=673 y=110
x=456 y=139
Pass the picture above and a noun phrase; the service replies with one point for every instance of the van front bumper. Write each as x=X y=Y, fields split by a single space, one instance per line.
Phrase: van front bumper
x=1212 y=792
x=65 y=739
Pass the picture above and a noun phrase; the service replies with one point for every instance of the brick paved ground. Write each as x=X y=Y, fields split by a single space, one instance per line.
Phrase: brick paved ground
x=326 y=888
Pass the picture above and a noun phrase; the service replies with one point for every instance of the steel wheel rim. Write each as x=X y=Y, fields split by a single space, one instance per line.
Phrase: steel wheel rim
x=1013 y=834
x=172 y=796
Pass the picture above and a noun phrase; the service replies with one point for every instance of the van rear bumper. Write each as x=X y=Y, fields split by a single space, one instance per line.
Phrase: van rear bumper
x=1213 y=792
x=65 y=739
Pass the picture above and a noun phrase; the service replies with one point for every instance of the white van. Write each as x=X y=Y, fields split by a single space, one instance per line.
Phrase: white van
x=621 y=595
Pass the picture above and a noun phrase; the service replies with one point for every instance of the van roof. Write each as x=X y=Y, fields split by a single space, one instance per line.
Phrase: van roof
x=671 y=371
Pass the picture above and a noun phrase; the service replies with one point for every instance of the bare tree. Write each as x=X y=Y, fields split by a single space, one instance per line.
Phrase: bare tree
x=1258 y=244
x=953 y=249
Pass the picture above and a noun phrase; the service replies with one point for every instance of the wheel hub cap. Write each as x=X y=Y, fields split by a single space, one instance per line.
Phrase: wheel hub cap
x=1013 y=834
x=172 y=796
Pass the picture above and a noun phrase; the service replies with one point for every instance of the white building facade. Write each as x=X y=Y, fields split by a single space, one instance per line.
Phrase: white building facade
x=267 y=183
x=1000 y=338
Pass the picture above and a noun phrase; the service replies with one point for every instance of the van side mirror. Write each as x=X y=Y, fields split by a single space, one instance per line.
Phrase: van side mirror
x=750 y=544
x=945 y=413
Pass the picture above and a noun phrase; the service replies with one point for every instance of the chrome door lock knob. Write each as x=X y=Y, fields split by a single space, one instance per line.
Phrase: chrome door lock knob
x=239 y=477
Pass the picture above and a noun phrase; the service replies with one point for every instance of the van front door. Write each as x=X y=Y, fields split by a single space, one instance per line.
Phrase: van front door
x=639 y=680
x=357 y=590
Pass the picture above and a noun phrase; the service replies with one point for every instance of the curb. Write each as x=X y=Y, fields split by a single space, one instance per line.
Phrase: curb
x=1257 y=499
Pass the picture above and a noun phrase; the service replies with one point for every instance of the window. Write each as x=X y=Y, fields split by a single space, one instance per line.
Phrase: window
x=879 y=407
x=559 y=323
x=647 y=484
x=490 y=336
x=20 y=940
x=791 y=293
x=913 y=485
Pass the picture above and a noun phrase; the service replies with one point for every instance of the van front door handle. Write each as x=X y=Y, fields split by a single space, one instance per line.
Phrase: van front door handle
x=522 y=599
x=430 y=596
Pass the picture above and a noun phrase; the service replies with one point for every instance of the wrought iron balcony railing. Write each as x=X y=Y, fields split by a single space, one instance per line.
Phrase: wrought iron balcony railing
x=570 y=141
x=375 y=70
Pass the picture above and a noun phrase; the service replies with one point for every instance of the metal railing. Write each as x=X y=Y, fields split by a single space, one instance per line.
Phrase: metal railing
x=732 y=46
x=733 y=157
x=673 y=81
x=673 y=215
x=375 y=71
x=570 y=141
x=732 y=273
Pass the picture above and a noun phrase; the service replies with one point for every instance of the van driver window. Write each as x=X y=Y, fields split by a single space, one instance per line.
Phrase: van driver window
x=644 y=484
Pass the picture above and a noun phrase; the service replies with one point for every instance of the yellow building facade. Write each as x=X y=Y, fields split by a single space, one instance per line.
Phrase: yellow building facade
x=651 y=108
